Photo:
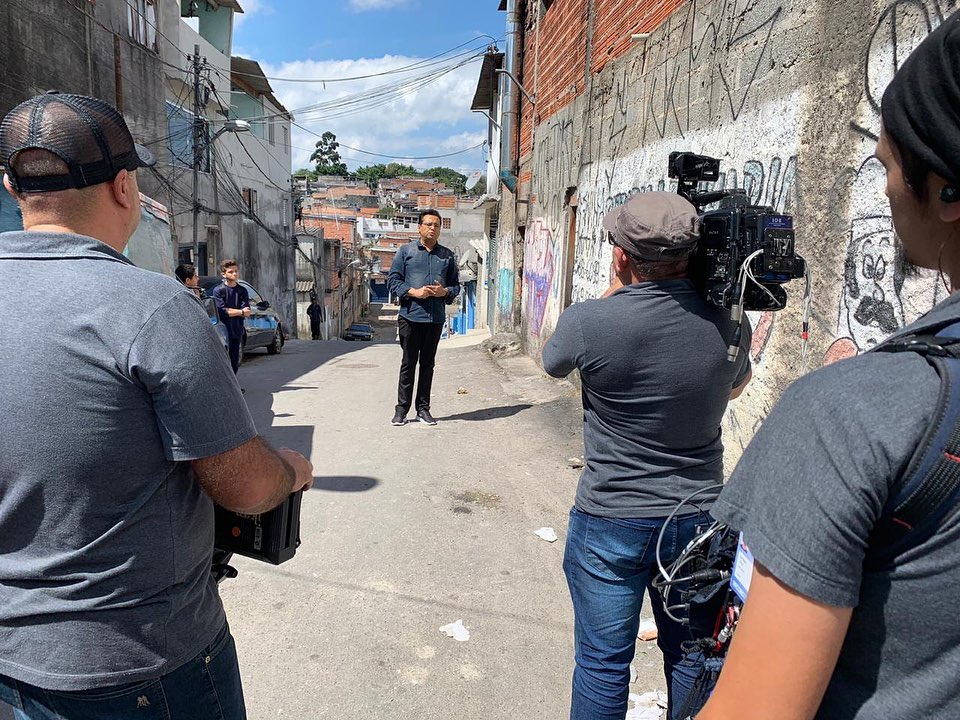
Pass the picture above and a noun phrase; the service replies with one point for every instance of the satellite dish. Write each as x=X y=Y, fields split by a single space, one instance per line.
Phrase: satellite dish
x=473 y=179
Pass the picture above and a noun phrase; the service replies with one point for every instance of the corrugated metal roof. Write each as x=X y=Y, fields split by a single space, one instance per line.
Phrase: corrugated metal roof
x=250 y=73
x=484 y=97
x=305 y=286
x=232 y=4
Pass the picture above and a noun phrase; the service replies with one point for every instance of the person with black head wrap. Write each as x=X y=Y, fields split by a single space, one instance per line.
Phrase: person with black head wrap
x=827 y=631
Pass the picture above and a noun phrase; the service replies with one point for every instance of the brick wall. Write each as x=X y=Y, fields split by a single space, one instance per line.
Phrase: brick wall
x=554 y=56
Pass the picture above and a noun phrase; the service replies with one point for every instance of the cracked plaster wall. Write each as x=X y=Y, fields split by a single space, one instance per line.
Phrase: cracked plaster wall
x=787 y=95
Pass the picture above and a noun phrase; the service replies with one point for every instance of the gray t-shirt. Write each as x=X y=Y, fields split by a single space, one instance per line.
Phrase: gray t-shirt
x=112 y=379
x=807 y=493
x=656 y=380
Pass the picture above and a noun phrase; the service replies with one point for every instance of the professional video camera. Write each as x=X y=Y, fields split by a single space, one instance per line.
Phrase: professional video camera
x=271 y=537
x=746 y=252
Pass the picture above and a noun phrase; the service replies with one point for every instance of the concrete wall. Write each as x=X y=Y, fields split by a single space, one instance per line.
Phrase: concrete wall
x=785 y=93
x=85 y=48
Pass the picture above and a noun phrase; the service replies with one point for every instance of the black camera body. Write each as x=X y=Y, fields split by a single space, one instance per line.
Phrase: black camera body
x=746 y=252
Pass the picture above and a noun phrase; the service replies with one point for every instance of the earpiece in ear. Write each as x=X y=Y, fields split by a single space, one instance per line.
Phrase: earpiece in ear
x=950 y=194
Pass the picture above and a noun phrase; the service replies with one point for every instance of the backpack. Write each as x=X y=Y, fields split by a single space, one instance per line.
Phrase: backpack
x=930 y=486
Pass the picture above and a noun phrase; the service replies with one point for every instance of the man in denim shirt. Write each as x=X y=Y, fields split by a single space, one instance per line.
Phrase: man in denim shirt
x=424 y=276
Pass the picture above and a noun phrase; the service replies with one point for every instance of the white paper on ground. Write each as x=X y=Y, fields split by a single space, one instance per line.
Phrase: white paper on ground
x=457 y=631
x=647 y=629
x=649 y=706
x=546 y=533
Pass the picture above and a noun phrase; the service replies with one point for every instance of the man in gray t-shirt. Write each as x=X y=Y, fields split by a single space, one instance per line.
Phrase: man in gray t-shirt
x=652 y=356
x=826 y=631
x=123 y=425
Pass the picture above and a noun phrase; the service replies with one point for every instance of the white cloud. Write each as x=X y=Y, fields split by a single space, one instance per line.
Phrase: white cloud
x=433 y=118
x=364 y=5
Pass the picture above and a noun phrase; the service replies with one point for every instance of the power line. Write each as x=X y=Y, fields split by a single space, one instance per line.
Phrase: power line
x=434 y=60
x=397 y=157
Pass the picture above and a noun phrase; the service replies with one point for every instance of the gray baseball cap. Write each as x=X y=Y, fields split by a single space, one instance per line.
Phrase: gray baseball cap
x=655 y=226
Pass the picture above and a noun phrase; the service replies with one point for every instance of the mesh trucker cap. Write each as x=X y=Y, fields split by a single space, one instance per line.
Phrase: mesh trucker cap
x=655 y=226
x=89 y=135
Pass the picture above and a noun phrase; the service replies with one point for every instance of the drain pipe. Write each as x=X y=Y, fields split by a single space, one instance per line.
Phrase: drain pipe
x=508 y=97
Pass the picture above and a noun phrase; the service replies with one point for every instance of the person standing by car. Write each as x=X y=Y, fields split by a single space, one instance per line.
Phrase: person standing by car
x=424 y=276
x=112 y=456
x=315 y=313
x=187 y=274
x=233 y=305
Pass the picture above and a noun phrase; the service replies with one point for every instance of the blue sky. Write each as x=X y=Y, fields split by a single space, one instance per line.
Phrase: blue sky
x=334 y=39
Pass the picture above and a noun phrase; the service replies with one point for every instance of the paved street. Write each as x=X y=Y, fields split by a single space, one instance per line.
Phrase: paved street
x=410 y=528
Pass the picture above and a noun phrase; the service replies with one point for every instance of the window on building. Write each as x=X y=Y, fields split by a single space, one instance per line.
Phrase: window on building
x=250 y=200
x=446 y=223
x=180 y=138
x=286 y=139
x=142 y=22
x=272 y=131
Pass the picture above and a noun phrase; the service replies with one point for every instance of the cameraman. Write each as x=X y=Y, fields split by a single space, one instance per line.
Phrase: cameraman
x=123 y=424
x=652 y=356
x=825 y=632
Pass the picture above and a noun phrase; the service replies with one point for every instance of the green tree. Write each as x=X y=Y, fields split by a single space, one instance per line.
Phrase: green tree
x=327 y=158
x=394 y=170
x=306 y=172
x=371 y=174
x=450 y=178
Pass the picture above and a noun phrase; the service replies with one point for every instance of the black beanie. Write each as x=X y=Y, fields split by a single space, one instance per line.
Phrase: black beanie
x=921 y=106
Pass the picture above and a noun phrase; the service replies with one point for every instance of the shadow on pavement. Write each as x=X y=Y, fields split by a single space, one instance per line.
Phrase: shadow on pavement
x=344 y=483
x=494 y=413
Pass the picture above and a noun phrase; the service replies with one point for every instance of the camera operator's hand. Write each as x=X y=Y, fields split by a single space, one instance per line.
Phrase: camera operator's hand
x=301 y=466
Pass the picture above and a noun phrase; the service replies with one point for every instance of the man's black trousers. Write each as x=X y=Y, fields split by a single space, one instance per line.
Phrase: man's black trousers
x=315 y=329
x=233 y=349
x=419 y=342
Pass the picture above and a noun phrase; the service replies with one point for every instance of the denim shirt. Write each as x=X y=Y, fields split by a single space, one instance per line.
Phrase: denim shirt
x=413 y=267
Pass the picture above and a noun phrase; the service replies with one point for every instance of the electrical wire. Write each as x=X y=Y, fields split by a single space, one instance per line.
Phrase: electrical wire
x=407 y=68
x=366 y=99
x=688 y=498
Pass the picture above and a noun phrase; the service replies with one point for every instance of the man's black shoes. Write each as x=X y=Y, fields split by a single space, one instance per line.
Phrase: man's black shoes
x=424 y=416
x=399 y=418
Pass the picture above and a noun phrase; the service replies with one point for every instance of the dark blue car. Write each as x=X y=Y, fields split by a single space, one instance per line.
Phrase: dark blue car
x=264 y=327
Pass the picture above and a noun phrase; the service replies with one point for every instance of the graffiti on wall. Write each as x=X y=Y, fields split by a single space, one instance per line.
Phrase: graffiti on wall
x=692 y=63
x=505 y=291
x=538 y=271
x=767 y=182
x=553 y=162
x=881 y=293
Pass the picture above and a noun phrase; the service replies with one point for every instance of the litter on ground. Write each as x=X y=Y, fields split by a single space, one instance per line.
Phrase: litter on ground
x=647 y=630
x=546 y=533
x=457 y=631
x=649 y=706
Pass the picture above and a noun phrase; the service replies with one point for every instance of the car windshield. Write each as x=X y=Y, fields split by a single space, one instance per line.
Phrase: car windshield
x=361 y=328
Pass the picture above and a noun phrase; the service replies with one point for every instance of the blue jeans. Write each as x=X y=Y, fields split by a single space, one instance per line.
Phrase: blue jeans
x=609 y=563
x=205 y=688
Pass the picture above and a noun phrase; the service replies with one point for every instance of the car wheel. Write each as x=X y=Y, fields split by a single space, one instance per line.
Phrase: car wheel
x=277 y=344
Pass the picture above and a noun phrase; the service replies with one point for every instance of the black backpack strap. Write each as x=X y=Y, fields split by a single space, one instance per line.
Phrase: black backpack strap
x=930 y=486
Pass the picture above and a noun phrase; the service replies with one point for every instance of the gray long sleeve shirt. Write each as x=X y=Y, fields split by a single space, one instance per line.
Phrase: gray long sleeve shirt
x=414 y=267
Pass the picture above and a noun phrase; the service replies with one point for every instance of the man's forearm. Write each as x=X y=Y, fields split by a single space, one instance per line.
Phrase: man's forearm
x=251 y=478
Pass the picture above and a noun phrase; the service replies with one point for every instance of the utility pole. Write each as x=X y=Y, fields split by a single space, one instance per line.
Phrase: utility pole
x=197 y=154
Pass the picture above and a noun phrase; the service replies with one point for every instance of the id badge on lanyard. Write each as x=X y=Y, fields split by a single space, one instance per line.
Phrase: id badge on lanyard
x=742 y=570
